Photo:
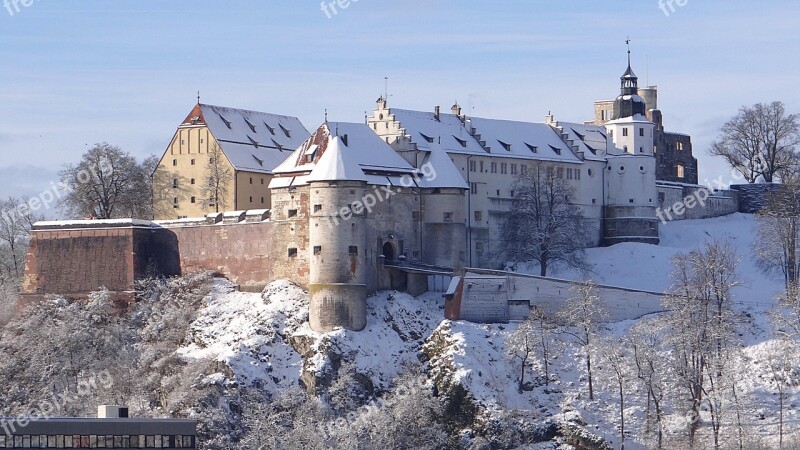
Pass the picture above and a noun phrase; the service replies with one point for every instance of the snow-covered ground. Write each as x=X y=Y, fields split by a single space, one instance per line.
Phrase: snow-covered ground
x=261 y=337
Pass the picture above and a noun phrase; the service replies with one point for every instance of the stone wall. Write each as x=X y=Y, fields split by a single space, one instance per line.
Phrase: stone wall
x=688 y=202
x=753 y=196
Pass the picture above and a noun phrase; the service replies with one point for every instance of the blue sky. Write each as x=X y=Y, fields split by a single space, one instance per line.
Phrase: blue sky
x=74 y=73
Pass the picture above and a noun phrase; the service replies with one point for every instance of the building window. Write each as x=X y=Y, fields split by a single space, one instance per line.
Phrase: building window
x=251 y=180
x=481 y=167
x=193 y=162
x=262 y=181
x=505 y=145
x=292 y=213
x=478 y=215
x=192 y=181
x=625 y=131
x=448 y=217
x=292 y=252
x=317 y=249
x=473 y=188
x=569 y=174
x=174 y=162
x=478 y=246
x=352 y=250
x=193 y=200
x=462 y=142
x=679 y=145
x=641 y=132
x=262 y=200
x=560 y=172
x=473 y=166
x=523 y=169
x=251 y=199
x=175 y=202
x=513 y=169
x=493 y=167
x=503 y=168
x=317 y=208
x=175 y=183
x=681 y=171
x=415 y=215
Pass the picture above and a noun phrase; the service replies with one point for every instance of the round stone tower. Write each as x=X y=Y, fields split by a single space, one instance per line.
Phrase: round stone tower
x=337 y=241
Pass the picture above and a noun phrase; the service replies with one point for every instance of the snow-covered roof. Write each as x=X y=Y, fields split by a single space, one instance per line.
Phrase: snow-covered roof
x=522 y=140
x=448 y=132
x=340 y=151
x=590 y=139
x=636 y=118
x=446 y=173
x=251 y=140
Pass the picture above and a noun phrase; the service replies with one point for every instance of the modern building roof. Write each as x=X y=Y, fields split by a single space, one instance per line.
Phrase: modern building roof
x=251 y=140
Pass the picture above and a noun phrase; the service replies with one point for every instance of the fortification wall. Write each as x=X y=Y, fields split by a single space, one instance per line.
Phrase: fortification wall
x=73 y=260
x=753 y=196
x=689 y=202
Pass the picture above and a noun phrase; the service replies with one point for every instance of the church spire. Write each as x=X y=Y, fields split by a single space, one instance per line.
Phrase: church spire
x=630 y=82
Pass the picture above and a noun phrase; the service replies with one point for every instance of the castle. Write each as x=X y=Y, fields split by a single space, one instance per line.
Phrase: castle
x=392 y=203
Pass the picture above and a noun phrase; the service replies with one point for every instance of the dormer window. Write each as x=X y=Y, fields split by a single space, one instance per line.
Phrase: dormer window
x=227 y=123
x=253 y=141
x=277 y=145
x=271 y=130
x=462 y=142
x=505 y=145
x=532 y=148
x=285 y=131
x=252 y=127
x=556 y=150
x=427 y=138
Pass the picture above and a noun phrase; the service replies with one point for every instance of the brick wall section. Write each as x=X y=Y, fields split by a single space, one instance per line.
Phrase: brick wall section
x=82 y=260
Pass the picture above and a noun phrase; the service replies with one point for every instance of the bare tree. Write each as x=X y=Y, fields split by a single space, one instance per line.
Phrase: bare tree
x=107 y=183
x=651 y=370
x=520 y=345
x=582 y=314
x=16 y=220
x=701 y=328
x=217 y=181
x=543 y=224
x=613 y=353
x=760 y=141
x=778 y=243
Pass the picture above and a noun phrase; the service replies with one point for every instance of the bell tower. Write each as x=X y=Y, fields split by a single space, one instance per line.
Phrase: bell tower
x=630 y=130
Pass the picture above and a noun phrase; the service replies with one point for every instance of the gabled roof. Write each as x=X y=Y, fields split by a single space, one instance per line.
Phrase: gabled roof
x=251 y=140
x=340 y=151
x=522 y=140
x=446 y=174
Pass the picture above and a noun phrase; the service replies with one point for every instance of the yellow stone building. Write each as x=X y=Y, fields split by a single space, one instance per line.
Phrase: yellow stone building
x=221 y=159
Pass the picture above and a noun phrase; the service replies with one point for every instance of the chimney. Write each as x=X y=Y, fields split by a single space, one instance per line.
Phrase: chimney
x=456 y=109
x=436 y=112
x=112 y=412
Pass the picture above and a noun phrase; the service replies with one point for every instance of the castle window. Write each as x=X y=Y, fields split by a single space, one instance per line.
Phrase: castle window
x=317 y=208
x=473 y=166
x=513 y=169
x=175 y=202
x=681 y=171
x=192 y=162
x=480 y=166
x=625 y=131
x=560 y=172
x=251 y=180
x=353 y=250
x=503 y=168
x=448 y=217
x=175 y=183
x=577 y=174
x=473 y=188
x=192 y=181
x=594 y=201
x=262 y=181
x=523 y=169
x=462 y=142
x=193 y=200
x=493 y=167
x=251 y=199
x=589 y=171
x=292 y=252
x=317 y=249
x=292 y=213
x=174 y=162
x=679 y=145
x=569 y=174
x=641 y=149
x=415 y=255
x=630 y=200
x=641 y=132
x=478 y=246
x=262 y=200
x=478 y=215
x=415 y=215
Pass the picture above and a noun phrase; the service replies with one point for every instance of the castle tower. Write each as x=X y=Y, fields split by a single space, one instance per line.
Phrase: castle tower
x=337 y=239
x=630 y=178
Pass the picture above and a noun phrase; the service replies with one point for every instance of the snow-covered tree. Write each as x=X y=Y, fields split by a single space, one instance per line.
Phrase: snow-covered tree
x=652 y=372
x=582 y=315
x=777 y=247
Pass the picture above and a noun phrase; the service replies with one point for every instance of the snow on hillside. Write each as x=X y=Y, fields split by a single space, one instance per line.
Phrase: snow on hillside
x=266 y=338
